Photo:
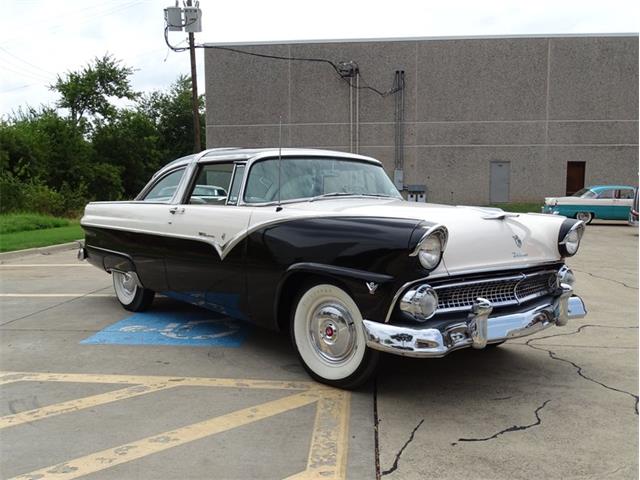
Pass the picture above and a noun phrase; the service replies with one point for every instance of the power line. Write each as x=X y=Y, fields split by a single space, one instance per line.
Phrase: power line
x=23 y=73
x=33 y=66
x=104 y=10
x=332 y=64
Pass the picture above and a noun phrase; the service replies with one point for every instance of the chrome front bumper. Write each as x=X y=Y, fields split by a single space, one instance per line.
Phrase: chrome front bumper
x=477 y=330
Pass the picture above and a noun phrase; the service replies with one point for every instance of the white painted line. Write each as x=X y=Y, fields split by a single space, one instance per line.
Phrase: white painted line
x=55 y=295
x=35 y=265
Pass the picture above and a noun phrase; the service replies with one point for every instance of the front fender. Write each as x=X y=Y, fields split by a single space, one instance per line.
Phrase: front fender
x=351 y=251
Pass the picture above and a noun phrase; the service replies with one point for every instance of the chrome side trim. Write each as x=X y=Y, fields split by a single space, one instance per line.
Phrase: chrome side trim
x=222 y=249
x=478 y=330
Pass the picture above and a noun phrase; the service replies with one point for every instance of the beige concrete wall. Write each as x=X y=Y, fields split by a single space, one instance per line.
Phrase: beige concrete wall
x=536 y=102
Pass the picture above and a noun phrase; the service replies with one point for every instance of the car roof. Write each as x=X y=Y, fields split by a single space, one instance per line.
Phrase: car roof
x=235 y=153
x=607 y=187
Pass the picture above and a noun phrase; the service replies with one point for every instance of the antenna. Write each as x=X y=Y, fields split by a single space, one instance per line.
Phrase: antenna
x=279 y=162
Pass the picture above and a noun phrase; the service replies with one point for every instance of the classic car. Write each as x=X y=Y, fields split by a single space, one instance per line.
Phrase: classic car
x=606 y=202
x=321 y=246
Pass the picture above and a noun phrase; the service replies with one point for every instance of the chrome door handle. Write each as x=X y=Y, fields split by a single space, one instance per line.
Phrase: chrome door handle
x=175 y=210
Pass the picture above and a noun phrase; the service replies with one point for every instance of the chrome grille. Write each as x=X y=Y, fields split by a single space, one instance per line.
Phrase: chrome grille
x=504 y=291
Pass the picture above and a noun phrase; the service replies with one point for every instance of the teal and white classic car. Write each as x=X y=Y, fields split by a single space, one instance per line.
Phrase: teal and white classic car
x=607 y=202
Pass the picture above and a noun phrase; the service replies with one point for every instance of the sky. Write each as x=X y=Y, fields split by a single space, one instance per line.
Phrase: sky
x=40 y=39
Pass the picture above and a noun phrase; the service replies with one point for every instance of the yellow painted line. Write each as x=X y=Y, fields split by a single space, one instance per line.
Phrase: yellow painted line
x=330 y=439
x=9 y=377
x=81 y=403
x=38 y=265
x=99 y=461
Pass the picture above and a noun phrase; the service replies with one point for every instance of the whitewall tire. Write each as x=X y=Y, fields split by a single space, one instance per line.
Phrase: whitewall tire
x=131 y=296
x=328 y=334
x=586 y=217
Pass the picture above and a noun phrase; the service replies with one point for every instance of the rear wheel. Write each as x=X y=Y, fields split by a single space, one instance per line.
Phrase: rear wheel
x=586 y=217
x=131 y=296
x=328 y=335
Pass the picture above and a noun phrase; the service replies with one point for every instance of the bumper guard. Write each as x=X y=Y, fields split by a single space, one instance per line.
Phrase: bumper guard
x=479 y=329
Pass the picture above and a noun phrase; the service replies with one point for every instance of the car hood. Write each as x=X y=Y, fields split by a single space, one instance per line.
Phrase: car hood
x=477 y=240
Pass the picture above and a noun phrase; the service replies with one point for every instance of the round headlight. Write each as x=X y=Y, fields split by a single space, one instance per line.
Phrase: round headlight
x=572 y=242
x=430 y=251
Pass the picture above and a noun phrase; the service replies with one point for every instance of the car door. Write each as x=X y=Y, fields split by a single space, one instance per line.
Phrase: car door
x=145 y=236
x=208 y=268
x=605 y=203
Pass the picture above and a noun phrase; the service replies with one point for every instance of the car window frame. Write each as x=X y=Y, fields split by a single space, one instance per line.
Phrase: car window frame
x=143 y=194
x=237 y=166
x=613 y=197
x=194 y=177
x=251 y=164
x=625 y=189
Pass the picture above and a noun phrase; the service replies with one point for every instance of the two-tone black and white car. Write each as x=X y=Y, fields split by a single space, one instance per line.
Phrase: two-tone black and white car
x=321 y=245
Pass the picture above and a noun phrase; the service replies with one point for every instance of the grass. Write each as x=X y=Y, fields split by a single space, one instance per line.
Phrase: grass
x=27 y=230
x=23 y=222
x=519 y=207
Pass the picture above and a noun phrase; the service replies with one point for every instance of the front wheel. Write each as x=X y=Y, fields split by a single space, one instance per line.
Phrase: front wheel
x=131 y=296
x=586 y=217
x=328 y=334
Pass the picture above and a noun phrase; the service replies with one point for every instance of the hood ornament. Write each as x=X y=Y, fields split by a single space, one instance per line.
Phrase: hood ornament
x=518 y=241
x=500 y=216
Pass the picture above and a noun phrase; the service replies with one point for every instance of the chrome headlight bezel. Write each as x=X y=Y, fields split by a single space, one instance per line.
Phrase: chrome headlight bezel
x=570 y=236
x=431 y=246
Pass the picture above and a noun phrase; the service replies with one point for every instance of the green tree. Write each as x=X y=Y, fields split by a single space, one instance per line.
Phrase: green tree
x=129 y=142
x=88 y=92
x=172 y=114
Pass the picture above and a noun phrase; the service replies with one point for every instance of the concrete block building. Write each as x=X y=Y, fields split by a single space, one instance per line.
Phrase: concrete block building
x=479 y=120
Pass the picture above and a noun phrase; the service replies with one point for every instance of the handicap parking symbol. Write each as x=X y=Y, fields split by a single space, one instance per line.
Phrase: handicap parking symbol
x=191 y=328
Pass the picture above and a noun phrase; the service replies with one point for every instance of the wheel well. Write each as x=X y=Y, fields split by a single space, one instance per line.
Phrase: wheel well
x=292 y=286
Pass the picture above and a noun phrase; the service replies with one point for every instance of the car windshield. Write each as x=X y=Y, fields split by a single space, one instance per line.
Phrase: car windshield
x=584 y=193
x=312 y=178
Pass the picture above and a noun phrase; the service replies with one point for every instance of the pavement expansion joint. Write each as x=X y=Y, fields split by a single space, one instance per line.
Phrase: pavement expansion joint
x=327 y=455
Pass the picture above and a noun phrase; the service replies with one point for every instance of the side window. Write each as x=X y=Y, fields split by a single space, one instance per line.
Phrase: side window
x=626 y=193
x=165 y=188
x=235 y=186
x=212 y=184
x=606 y=194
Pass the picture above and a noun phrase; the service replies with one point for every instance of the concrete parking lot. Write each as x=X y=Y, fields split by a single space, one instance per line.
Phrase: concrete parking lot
x=88 y=389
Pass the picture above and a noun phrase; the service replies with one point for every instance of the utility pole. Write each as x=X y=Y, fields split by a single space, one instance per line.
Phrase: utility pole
x=194 y=92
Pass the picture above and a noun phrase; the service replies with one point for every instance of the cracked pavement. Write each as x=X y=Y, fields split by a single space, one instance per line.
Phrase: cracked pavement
x=560 y=404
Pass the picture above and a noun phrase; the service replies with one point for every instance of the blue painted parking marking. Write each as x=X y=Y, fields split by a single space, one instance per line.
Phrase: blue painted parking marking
x=194 y=328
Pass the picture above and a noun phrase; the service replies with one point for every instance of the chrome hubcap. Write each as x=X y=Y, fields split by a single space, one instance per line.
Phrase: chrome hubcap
x=332 y=332
x=125 y=286
x=584 y=216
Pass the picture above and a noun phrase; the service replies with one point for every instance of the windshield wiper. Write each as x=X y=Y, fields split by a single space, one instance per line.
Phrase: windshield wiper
x=332 y=194
x=349 y=194
x=382 y=195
